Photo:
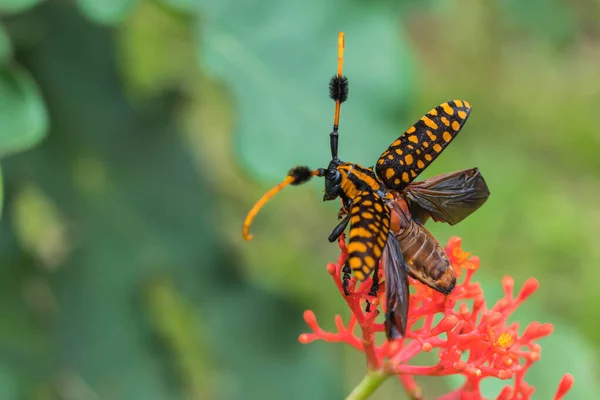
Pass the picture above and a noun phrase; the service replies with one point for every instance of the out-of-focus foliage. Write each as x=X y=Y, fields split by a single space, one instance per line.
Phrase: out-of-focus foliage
x=122 y=270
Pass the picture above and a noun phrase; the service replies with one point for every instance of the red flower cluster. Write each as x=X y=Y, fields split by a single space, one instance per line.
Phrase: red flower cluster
x=472 y=340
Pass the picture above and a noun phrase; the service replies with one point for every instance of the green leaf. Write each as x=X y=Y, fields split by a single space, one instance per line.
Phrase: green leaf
x=23 y=115
x=107 y=12
x=5 y=47
x=278 y=60
x=15 y=6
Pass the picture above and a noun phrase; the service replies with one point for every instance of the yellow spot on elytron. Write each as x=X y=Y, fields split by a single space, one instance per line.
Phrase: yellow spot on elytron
x=370 y=261
x=411 y=129
x=367 y=203
x=429 y=122
x=386 y=222
x=433 y=112
x=381 y=161
x=418 y=151
x=360 y=232
x=447 y=136
x=425 y=144
x=389 y=173
x=431 y=135
x=396 y=143
x=408 y=159
x=455 y=125
x=366 y=215
x=428 y=157
x=355 y=263
x=390 y=157
x=399 y=152
x=378 y=207
x=462 y=114
x=413 y=173
x=437 y=148
x=447 y=109
x=377 y=252
x=410 y=146
x=396 y=181
x=413 y=138
x=445 y=121
x=380 y=242
x=355 y=219
x=357 y=247
x=405 y=177
x=401 y=162
x=458 y=103
x=359 y=275
x=505 y=340
x=355 y=210
x=373 y=228
x=370 y=245
x=420 y=164
x=467 y=104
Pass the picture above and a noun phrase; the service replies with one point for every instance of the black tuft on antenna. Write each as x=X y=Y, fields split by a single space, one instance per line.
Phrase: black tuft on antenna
x=338 y=88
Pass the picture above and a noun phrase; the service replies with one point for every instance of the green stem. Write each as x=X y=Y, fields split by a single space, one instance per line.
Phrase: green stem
x=367 y=386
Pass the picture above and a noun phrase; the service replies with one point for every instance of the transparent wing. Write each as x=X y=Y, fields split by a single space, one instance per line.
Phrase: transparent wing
x=449 y=197
x=396 y=289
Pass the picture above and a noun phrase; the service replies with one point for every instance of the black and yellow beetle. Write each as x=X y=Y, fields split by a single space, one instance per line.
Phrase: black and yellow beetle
x=387 y=211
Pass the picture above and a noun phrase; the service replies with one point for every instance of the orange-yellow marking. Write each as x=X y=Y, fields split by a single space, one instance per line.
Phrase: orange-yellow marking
x=447 y=136
x=377 y=252
x=425 y=144
x=355 y=219
x=359 y=275
x=433 y=112
x=370 y=261
x=381 y=161
x=413 y=138
x=378 y=207
x=401 y=162
x=413 y=173
x=355 y=210
x=467 y=104
x=445 y=121
x=389 y=173
x=390 y=157
x=359 y=247
x=396 y=181
x=458 y=103
x=405 y=177
x=411 y=129
x=366 y=215
x=386 y=222
x=380 y=242
x=429 y=122
x=355 y=262
x=420 y=164
x=437 y=148
x=396 y=143
x=455 y=125
x=462 y=114
x=399 y=152
x=447 y=109
x=408 y=159
x=428 y=157
x=431 y=135
x=372 y=227
x=367 y=203
x=360 y=232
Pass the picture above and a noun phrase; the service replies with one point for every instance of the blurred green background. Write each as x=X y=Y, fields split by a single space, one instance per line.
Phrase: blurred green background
x=135 y=135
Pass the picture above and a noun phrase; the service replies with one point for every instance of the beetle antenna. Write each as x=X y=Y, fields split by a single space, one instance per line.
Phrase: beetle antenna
x=296 y=176
x=338 y=91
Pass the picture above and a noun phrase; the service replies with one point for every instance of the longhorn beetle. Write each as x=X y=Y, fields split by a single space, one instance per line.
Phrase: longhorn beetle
x=387 y=211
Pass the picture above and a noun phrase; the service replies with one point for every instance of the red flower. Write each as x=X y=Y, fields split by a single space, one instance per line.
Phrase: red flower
x=472 y=340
